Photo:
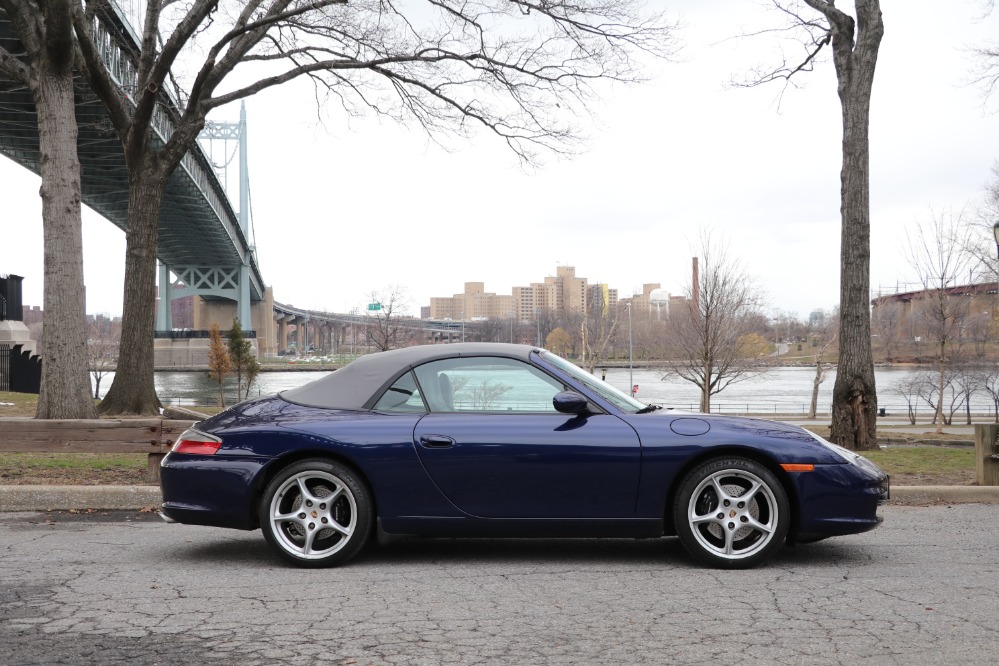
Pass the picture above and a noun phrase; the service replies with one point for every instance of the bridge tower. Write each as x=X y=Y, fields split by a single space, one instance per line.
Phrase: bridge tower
x=228 y=282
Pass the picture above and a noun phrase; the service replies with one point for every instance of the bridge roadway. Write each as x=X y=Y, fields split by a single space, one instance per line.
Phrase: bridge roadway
x=315 y=323
x=202 y=239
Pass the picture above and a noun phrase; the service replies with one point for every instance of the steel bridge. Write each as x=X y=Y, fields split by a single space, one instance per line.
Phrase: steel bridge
x=203 y=240
x=314 y=323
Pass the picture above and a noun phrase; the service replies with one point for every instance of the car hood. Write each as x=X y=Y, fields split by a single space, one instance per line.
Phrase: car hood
x=792 y=442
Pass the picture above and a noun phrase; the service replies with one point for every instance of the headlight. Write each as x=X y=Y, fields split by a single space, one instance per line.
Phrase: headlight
x=845 y=454
x=848 y=456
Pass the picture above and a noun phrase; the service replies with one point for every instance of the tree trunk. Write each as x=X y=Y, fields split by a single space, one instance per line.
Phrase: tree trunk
x=855 y=402
x=133 y=390
x=816 y=382
x=706 y=389
x=941 y=382
x=65 y=385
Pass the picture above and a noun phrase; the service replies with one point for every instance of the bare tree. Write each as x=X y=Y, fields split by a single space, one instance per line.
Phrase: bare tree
x=384 y=330
x=517 y=69
x=855 y=42
x=934 y=394
x=596 y=325
x=710 y=342
x=103 y=335
x=486 y=330
x=969 y=379
x=990 y=384
x=45 y=30
x=823 y=340
x=886 y=320
x=546 y=320
x=911 y=388
x=936 y=251
x=483 y=397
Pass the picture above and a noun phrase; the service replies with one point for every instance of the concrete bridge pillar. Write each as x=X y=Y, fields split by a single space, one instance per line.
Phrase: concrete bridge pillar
x=164 y=317
x=282 y=334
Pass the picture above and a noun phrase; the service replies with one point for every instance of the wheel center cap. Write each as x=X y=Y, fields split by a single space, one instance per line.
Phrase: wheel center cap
x=731 y=514
x=315 y=514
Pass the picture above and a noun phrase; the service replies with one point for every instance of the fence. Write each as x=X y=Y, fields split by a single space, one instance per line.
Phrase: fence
x=4 y=367
x=19 y=370
x=151 y=436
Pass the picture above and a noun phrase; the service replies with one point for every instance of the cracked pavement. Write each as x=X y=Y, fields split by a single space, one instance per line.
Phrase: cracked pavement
x=121 y=588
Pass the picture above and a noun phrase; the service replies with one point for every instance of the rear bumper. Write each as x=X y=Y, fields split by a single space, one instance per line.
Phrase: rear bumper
x=210 y=490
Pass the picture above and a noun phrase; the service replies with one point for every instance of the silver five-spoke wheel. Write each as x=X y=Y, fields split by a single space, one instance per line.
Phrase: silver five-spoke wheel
x=316 y=513
x=731 y=513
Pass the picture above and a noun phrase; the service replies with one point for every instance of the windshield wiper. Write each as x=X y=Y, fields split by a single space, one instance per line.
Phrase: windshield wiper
x=649 y=408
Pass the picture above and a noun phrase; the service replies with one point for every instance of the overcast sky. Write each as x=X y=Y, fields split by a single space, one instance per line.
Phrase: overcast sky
x=341 y=210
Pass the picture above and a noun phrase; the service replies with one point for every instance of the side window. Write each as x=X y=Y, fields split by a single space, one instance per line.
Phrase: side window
x=486 y=384
x=402 y=396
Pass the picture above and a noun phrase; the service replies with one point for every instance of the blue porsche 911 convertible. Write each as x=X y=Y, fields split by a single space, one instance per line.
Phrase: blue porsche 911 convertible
x=502 y=440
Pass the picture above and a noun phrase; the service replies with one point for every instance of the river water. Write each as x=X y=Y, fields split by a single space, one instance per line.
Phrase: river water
x=785 y=390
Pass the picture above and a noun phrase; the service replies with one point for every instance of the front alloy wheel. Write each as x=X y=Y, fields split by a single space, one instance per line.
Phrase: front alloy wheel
x=731 y=513
x=316 y=513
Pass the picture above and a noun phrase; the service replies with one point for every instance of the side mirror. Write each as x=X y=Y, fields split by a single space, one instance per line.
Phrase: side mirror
x=570 y=402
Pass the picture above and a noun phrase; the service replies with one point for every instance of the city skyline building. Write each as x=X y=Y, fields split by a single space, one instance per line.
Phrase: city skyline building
x=564 y=291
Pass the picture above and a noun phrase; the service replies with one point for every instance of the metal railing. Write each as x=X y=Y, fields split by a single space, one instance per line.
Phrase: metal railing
x=4 y=367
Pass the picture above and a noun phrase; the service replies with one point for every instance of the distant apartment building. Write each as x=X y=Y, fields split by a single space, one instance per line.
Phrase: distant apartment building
x=474 y=303
x=33 y=314
x=563 y=291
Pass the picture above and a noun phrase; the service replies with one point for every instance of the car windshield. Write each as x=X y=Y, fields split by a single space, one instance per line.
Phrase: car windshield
x=616 y=397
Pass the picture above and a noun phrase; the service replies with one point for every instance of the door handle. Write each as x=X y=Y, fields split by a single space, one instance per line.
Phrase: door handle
x=436 y=441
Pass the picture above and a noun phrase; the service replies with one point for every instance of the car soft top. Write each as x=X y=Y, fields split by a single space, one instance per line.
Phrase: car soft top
x=359 y=383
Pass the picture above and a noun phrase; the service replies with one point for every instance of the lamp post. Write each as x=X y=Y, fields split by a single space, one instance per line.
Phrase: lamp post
x=995 y=232
x=631 y=355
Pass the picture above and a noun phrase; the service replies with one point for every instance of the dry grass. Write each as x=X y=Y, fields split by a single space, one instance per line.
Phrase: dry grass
x=73 y=469
x=17 y=404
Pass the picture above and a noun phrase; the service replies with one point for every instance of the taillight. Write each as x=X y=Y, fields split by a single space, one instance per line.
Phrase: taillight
x=196 y=442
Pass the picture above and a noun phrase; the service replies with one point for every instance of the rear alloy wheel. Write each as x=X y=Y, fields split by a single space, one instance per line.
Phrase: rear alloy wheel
x=316 y=513
x=731 y=513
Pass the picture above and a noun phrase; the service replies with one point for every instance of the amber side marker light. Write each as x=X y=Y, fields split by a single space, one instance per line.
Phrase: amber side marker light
x=196 y=443
x=797 y=467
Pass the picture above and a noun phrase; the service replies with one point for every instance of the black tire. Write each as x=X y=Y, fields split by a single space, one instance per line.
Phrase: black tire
x=731 y=513
x=301 y=523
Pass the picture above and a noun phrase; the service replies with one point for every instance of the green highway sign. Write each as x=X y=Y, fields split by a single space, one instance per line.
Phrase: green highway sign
x=374 y=306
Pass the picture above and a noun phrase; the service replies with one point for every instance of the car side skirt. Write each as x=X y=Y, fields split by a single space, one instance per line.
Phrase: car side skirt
x=433 y=526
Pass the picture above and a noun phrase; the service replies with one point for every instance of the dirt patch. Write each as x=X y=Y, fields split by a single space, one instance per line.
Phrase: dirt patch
x=74 y=478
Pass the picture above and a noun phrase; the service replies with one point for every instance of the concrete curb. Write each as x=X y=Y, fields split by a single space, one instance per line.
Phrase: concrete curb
x=134 y=498
x=945 y=495
x=45 y=498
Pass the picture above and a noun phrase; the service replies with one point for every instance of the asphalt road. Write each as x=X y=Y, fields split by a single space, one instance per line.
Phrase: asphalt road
x=121 y=588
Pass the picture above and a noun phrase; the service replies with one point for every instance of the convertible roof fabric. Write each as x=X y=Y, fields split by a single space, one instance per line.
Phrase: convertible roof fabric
x=358 y=384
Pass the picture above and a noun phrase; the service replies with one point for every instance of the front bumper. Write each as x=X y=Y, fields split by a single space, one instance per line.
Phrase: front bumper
x=841 y=499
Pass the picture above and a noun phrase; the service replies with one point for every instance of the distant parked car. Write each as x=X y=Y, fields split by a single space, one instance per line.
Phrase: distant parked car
x=492 y=440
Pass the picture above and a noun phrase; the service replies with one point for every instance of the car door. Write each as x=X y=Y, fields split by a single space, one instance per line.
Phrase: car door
x=495 y=446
